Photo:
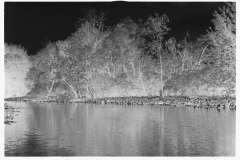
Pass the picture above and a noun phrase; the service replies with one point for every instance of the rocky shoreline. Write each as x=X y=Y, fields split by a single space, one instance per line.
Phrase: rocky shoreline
x=199 y=102
x=9 y=112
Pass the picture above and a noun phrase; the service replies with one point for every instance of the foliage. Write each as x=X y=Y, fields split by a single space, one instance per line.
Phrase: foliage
x=223 y=45
x=16 y=65
x=84 y=56
x=46 y=69
x=154 y=30
x=135 y=59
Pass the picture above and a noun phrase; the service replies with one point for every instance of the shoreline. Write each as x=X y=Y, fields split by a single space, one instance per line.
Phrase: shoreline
x=196 y=102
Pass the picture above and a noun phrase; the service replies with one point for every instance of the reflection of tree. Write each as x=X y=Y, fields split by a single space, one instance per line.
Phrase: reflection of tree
x=34 y=145
x=104 y=130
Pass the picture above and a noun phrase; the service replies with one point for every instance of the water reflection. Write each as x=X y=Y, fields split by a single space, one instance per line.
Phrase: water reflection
x=35 y=145
x=51 y=129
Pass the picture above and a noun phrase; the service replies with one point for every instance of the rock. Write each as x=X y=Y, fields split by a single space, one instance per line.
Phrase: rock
x=103 y=102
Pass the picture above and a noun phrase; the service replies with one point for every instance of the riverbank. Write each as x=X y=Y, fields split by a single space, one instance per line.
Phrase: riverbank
x=199 y=102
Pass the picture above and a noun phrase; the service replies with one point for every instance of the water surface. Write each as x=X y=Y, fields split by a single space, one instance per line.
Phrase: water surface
x=52 y=129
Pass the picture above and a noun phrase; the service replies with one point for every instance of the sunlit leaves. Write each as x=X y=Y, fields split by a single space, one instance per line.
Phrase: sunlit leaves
x=17 y=65
x=154 y=29
x=47 y=66
x=136 y=56
x=223 y=43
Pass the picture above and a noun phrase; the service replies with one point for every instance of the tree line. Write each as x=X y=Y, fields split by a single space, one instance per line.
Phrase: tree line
x=132 y=59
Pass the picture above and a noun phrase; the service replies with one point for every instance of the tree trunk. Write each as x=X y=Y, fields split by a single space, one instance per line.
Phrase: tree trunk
x=183 y=59
x=161 y=77
x=183 y=63
x=114 y=70
x=133 y=67
x=87 y=91
x=141 y=77
x=143 y=85
x=108 y=70
x=79 y=92
x=125 y=70
x=73 y=90
x=50 y=90
x=124 y=66
x=112 y=65
x=200 y=60
x=94 y=87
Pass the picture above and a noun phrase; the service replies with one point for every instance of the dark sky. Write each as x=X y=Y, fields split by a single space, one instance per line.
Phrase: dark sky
x=31 y=23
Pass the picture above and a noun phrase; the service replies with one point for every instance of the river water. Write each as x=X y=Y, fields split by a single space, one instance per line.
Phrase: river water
x=52 y=129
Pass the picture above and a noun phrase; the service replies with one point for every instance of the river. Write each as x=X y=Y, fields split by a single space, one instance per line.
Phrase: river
x=69 y=129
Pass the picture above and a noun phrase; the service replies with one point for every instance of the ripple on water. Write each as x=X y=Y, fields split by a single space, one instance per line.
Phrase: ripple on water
x=94 y=130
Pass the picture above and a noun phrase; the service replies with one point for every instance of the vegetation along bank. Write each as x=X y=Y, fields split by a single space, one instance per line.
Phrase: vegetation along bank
x=201 y=102
x=131 y=59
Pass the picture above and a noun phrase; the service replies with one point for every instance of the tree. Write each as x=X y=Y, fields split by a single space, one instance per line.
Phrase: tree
x=223 y=44
x=85 y=44
x=46 y=67
x=70 y=67
x=16 y=65
x=154 y=29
